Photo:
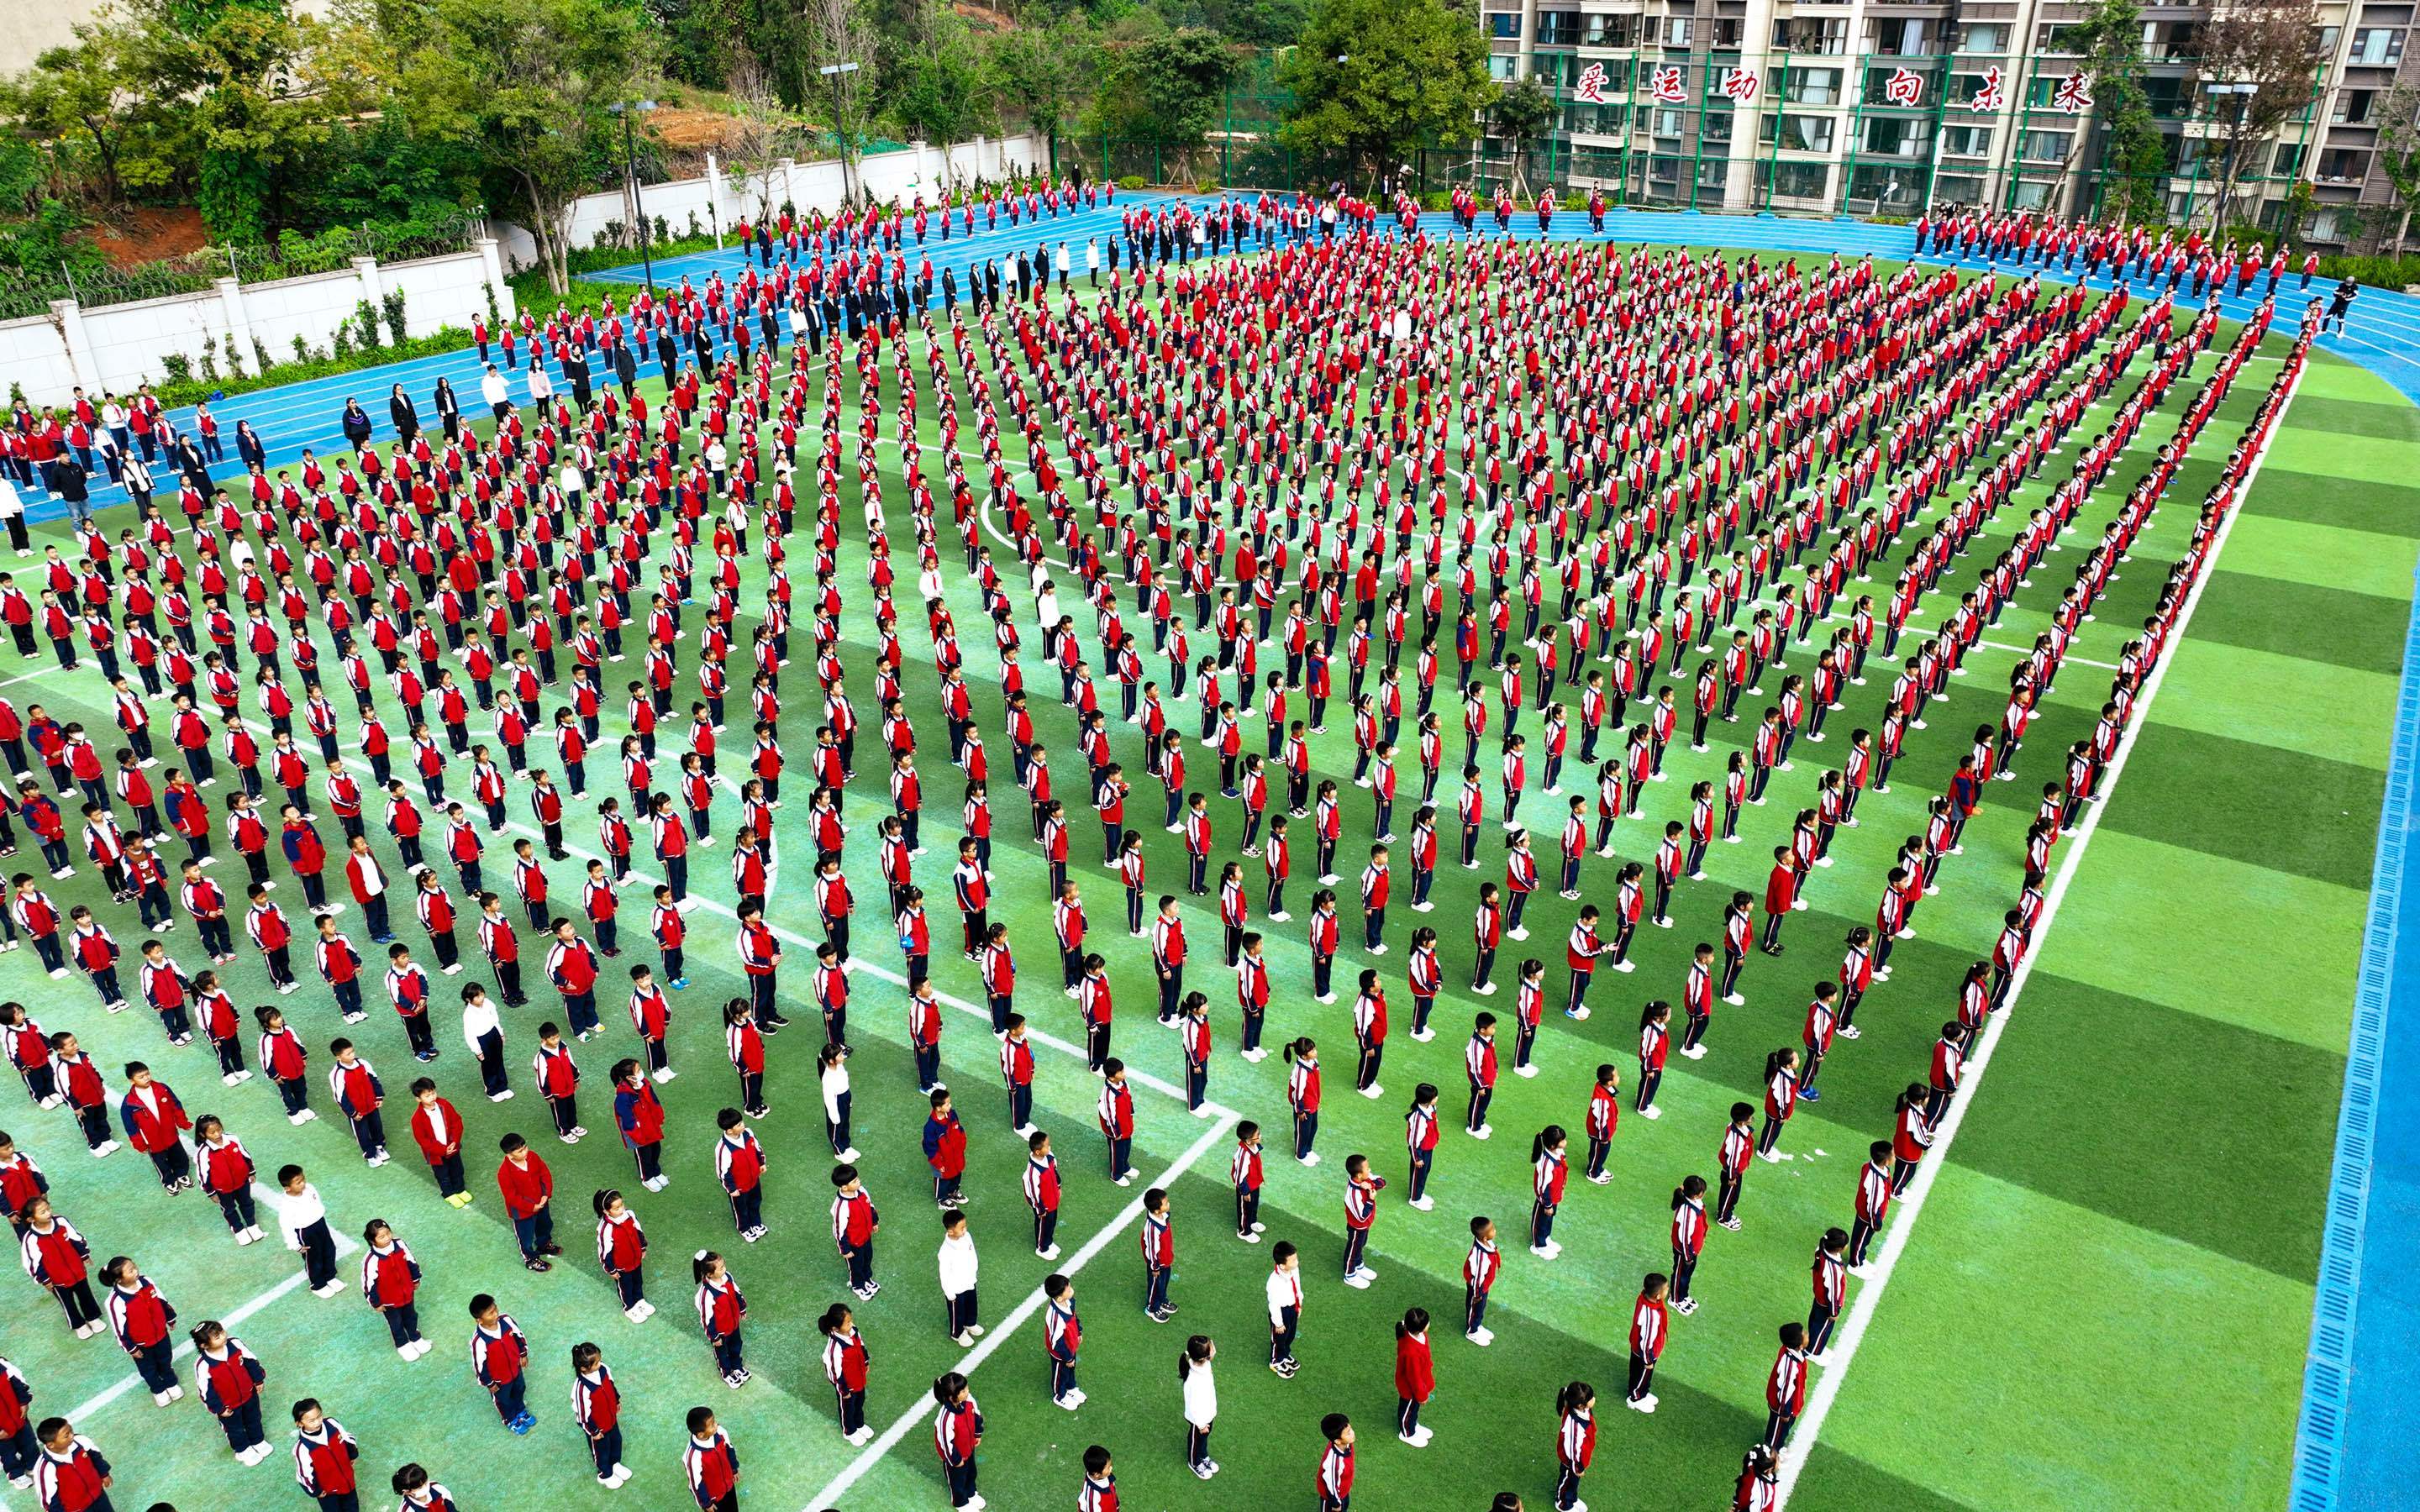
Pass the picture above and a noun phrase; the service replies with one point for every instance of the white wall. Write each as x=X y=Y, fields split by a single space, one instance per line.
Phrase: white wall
x=900 y=175
x=116 y=347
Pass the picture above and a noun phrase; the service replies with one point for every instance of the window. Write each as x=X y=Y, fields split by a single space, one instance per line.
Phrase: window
x=1798 y=133
x=1503 y=67
x=1814 y=86
x=1716 y=128
x=1896 y=136
x=1676 y=31
x=2376 y=45
x=1728 y=32
x=1897 y=37
x=1794 y=181
x=2031 y=196
x=2352 y=107
x=2054 y=39
x=2044 y=147
x=2289 y=161
x=1597 y=120
x=1952 y=189
x=1559 y=29
x=1600 y=30
x=1505 y=25
x=1824 y=36
x=2343 y=165
x=1967 y=141
x=1667 y=123
x=2327 y=225
x=1981 y=36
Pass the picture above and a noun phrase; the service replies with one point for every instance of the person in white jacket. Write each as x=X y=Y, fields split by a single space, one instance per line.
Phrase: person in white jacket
x=958 y=1269
x=832 y=1072
x=1201 y=1403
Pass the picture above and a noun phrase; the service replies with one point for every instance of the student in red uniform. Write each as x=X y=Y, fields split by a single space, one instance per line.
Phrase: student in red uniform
x=1604 y=1119
x=227 y=1379
x=957 y=1430
x=1688 y=1238
x=720 y=1310
x=59 y=1259
x=1335 y=1478
x=390 y=1285
x=855 y=1223
x=1480 y=1269
x=324 y=1459
x=437 y=1129
x=71 y=1474
x=596 y=1407
x=1874 y=1196
x=1575 y=1442
x=1414 y=1378
x=712 y=1463
x=1739 y=1142
x=1548 y=1170
x=1785 y=1389
x=141 y=1317
x=1062 y=1335
x=18 y=1446
x=499 y=1354
x=622 y=1250
x=1649 y=1326
x=846 y=1363
x=528 y=1189
x=1099 y=1491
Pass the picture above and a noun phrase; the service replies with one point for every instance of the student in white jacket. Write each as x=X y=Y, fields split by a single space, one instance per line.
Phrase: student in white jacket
x=1201 y=1403
x=958 y=1268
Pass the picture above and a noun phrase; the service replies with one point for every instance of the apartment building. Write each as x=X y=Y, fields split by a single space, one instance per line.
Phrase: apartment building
x=1872 y=107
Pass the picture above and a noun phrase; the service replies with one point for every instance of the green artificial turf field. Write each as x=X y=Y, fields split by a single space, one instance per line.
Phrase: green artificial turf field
x=2114 y=1272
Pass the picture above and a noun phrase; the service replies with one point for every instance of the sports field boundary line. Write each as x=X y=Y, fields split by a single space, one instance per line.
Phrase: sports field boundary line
x=2328 y=1366
x=907 y=1421
x=1876 y=1278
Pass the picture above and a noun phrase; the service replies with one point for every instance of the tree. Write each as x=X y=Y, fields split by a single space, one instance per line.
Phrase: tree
x=1519 y=114
x=76 y=95
x=1376 y=78
x=840 y=36
x=2269 y=51
x=2398 y=156
x=1038 y=70
x=522 y=85
x=938 y=79
x=243 y=95
x=1180 y=78
x=2134 y=154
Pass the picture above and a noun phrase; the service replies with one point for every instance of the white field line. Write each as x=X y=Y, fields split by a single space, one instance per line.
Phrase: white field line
x=1868 y=1300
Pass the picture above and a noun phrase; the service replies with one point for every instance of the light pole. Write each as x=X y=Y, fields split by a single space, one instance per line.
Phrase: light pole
x=833 y=71
x=631 y=166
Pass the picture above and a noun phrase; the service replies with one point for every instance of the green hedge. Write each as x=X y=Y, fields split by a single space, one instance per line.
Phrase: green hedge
x=2380 y=272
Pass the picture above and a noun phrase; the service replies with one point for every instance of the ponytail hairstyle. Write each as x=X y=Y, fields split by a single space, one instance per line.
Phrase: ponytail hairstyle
x=947 y=1388
x=1656 y=1012
x=1196 y=1351
x=605 y=1198
x=1423 y=1094
x=1415 y=1321
x=1549 y=1137
x=1575 y=1398
x=1773 y=1062
x=1692 y=1188
x=704 y=1260
x=833 y=1321
x=1300 y=1048
x=584 y=1358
